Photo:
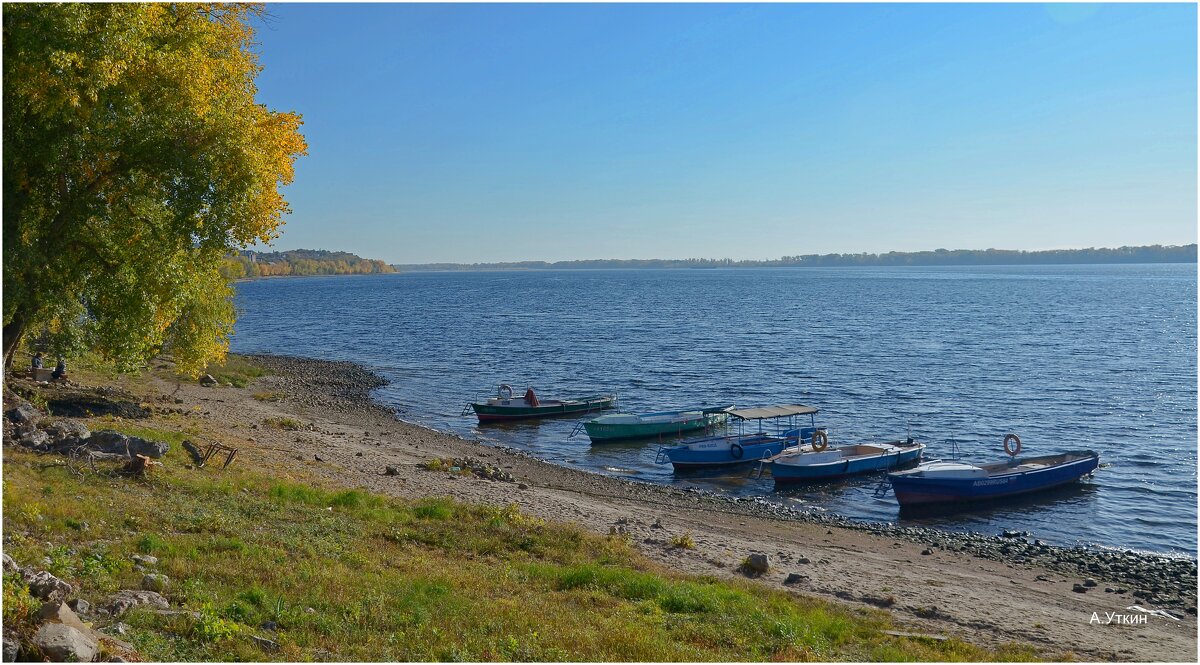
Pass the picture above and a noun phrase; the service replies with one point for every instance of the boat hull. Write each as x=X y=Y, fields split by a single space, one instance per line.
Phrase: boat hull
x=913 y=490
x=617 y=432
x=727 y=451
x=500 y=413
x=672 y=423
x=900 y=454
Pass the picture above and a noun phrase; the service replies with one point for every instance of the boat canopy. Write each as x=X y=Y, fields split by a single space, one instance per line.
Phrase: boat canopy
x=780 y=411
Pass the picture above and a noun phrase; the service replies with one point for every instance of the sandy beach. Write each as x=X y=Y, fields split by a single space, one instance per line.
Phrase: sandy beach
x=931 y=583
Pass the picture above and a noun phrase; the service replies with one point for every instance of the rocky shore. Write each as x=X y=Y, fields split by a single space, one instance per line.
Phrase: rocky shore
x=1142 y=577
x=315 y=419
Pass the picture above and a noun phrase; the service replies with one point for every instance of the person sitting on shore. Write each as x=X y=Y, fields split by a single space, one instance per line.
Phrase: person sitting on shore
x=60 y=370
x=37 y=360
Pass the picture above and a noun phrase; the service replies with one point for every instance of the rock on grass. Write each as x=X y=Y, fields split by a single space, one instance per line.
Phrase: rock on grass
x=62 y=643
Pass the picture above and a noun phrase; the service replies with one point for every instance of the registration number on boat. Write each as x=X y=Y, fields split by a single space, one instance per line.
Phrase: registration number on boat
x=991 y=481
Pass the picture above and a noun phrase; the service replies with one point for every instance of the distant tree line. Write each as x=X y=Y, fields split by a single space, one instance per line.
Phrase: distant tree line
x=299 y=263
x=937 y=257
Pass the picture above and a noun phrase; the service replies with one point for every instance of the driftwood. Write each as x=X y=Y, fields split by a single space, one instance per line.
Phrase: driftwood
x=194 y=451
x=139 y=466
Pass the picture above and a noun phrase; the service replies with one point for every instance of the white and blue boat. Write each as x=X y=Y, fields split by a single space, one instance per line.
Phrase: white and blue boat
x=794 y=466
x=942 y=482
x=762 y=432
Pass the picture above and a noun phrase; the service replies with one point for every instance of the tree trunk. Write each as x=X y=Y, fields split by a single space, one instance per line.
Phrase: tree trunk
x=13 y=331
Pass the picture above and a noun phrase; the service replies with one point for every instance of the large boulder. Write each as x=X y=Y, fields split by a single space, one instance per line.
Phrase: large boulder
x=57 y=611
x=23 y=412
x=34 y=438
x=108 y=441
x=757 y=564
x=10 y=566
x=62 y=643
x=123 y=601
x=155 y=582
x=45 y=586
x=11 y=648
x=67 y=431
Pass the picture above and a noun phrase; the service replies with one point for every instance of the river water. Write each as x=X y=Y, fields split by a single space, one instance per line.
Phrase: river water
x=1068 y=357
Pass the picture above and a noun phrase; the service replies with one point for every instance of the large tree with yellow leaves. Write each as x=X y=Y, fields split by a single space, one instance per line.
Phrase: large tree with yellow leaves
x=135 y=158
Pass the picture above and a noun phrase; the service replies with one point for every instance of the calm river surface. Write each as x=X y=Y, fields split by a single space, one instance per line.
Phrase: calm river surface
x=1100 y=357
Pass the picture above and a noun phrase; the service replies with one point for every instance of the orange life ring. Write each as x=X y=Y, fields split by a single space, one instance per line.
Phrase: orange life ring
x=1010 y=439
x=820 y=440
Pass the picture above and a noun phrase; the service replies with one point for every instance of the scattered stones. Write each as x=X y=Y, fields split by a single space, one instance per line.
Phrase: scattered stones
x=125 y=600
x=120 y=628
x=270 y=625
x=80 y=605
x=57 y=611
x=1089 y=582
x=45 y=586
x=145 y=559
x=522 y=486
x=62 y=643
x=108 y=441
x=23 y=412
x=803 y=559
x=11 y=648
x=1079 y=588
x=391 y=471
x=757 y=563
x=265 y=644
x=34 y=439
x=927 y=551
x=794 y=578
x=155 y=582
x=10 y=566
x=480 y=468
x=66 y=431
x=208 y=380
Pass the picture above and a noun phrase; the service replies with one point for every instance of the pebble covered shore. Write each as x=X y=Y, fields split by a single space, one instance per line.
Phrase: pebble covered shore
x=1139 y=577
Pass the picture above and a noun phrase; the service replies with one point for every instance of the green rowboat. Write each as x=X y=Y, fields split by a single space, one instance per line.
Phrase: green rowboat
x=505 y=406
x=620 y=426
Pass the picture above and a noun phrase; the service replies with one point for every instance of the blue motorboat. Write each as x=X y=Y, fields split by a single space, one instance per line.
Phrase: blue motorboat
x=947 y=481
x=761 y=432
x=800 y=465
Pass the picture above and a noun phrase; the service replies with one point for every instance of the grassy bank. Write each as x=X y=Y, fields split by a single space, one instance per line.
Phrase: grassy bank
x=350 y=575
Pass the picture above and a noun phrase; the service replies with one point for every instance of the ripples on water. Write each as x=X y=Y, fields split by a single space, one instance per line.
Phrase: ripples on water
x=1100 y=357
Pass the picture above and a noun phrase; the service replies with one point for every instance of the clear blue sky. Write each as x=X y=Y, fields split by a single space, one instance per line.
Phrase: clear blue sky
x=497 y=133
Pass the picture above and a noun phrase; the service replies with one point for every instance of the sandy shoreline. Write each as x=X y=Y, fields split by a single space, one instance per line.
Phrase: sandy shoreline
x=985 y=590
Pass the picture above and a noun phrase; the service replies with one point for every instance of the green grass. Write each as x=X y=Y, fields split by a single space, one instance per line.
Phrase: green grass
x=173 y=437
x=236 y=370
x=683 y=541
x=290 y=424
x=388 y=579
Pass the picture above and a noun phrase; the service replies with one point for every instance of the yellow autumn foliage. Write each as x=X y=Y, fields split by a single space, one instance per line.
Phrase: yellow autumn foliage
x=136 y=157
